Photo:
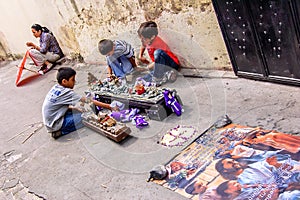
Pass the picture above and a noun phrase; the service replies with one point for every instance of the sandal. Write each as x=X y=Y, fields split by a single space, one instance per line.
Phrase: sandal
x=45 y=68
x=42 y=69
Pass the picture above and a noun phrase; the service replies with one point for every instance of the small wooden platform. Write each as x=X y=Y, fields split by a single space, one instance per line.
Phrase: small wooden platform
x=120 y=133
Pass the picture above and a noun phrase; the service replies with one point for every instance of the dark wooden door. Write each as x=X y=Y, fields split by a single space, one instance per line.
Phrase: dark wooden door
x=262 y=38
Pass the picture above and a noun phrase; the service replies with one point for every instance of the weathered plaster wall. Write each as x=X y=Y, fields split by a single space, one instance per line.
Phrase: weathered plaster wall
x=189 y=26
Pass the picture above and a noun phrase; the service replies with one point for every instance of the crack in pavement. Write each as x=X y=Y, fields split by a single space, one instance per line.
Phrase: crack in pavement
x=11 y=183
x=19 y=191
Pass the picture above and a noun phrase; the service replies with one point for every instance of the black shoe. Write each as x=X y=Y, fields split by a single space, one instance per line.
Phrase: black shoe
x=45 y=68
x=56 y=134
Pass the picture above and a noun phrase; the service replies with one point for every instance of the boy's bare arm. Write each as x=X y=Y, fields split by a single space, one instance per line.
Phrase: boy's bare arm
x=141 y=55
x=101 y=104
x=109 y=71
x=85 y=100
x=95 y=102
x=134 y=65
x=150 y=66
x=142 y=50
x=132 y=61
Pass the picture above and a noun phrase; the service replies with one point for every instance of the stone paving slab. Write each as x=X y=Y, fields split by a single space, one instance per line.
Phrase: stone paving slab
x=86 y=165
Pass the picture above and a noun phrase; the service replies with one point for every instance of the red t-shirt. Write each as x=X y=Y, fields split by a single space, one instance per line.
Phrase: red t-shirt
x=158 y=43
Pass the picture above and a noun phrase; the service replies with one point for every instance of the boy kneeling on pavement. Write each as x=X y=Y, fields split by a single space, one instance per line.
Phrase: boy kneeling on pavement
x=60 y=116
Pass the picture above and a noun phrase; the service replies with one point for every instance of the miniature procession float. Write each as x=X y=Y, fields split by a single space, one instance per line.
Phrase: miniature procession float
x=132 y=102
x=104 y=124
x=156 y=102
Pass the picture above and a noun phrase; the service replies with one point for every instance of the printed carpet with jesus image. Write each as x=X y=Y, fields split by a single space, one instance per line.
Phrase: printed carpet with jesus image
x=237 y=162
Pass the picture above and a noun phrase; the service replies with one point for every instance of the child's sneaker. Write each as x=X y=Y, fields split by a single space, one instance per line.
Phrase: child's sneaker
x=172 y=76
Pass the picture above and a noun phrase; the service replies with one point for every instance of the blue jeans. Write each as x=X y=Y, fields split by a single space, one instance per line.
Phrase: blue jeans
x=163 y=63
x=121 y=66
x=72 y=122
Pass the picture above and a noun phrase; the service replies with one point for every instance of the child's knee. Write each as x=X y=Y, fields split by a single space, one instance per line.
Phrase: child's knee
x=158 y=53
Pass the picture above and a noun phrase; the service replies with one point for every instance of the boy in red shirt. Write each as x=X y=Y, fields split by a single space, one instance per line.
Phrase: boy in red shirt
x=164 y=64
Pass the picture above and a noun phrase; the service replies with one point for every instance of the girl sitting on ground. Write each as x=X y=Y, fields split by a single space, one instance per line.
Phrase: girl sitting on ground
x=47 y=52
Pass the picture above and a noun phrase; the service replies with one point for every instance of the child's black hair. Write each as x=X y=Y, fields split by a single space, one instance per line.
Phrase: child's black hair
x=148 y=29
x=190 y=188
x=38 y=27
x=65 y=73
x=105 y=46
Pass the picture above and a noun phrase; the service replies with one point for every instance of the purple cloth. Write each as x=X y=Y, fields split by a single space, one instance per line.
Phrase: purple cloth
x=125 y=115
x=171 y=102
x=140 y=121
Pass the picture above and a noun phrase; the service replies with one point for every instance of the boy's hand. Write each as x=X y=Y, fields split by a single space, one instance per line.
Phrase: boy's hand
x=86 y=100
x=144 y=60
x=79 y=108
x=140 y=69
x=150 y=66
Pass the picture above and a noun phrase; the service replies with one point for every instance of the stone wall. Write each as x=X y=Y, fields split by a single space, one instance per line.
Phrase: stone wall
x=189 y=26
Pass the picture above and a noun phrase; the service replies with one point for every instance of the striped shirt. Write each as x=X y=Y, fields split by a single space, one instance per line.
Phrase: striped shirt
x=122 y=48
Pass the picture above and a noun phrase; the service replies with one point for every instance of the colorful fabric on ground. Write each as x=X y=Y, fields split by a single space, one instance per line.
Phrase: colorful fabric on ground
x=178 y=136
x=237 y=162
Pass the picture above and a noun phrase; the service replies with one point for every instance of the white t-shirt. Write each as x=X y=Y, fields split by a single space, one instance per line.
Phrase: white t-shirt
x=56 y=105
